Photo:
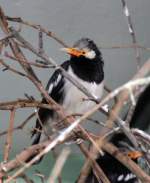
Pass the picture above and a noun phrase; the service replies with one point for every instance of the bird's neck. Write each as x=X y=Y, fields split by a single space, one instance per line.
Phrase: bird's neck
x=87 y=70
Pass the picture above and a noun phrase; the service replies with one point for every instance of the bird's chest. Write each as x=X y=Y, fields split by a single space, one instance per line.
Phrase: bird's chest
x=75 y=101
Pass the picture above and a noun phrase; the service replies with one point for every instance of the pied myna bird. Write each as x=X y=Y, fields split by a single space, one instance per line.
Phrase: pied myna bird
x=114 y=170
x=85 y=66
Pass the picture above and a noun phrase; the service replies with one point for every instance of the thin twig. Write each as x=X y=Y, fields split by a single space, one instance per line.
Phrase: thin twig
x=55 y=37
x=141 y=134
x=55 y=155
x=35 y=26
x=100 y=175
x=21 y=126
x=8 y=144
x=7 y=67
x=40 y=175
x=5 y=39
x=26 y=178
x=40 y=42
x=23 y=103
x=131 y=31
x=41 y=65
x=59 y=165
x=128 y=46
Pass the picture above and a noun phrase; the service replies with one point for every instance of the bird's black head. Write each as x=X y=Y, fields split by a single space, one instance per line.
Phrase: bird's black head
x=86 y=60
x=89 y=48
x=85 y=48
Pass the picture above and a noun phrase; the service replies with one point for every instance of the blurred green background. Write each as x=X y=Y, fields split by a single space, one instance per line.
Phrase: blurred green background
x=69 y=172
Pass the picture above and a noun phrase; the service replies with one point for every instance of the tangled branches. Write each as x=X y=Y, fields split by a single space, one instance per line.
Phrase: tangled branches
x=125 y=93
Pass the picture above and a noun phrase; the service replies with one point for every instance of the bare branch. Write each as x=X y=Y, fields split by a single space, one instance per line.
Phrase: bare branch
x=21 y=126
x=59 y=165
x=131 y=31
x=23 y=103
x=41 y=65
x=7 y=67
x=47 y=32
x=8 y=144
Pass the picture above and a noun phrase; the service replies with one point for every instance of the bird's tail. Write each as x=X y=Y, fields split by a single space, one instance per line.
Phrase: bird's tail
x=36 y=133
x=43 y=115
x=36 y=138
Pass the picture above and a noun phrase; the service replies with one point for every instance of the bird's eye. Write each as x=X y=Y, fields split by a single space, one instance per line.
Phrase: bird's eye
x=83 y=52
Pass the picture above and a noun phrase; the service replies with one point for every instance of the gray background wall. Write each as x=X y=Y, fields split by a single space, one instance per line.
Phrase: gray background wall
x=101 y=20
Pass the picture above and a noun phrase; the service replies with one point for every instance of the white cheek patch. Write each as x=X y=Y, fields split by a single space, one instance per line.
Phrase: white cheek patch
x=90 y=54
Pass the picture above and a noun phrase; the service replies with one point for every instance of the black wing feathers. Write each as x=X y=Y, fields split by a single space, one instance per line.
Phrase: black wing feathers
x=55 y=87
x=141 y=116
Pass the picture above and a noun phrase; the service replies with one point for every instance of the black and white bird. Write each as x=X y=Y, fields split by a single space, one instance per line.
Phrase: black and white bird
x=86 y=67
x=114 y=170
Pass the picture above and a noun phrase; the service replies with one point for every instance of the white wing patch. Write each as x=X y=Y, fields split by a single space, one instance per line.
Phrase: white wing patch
x=50 y=88
x=120 y=178
x=129 y=176
x=54 y=84
x=126 y=178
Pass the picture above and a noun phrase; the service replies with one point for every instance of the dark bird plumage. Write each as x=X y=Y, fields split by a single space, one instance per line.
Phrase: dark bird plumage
x=114 y=170
x=85 y=66
x=141 y=115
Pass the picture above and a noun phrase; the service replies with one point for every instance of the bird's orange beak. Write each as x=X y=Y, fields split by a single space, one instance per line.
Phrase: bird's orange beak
x=73 y=51
x=134 y=154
